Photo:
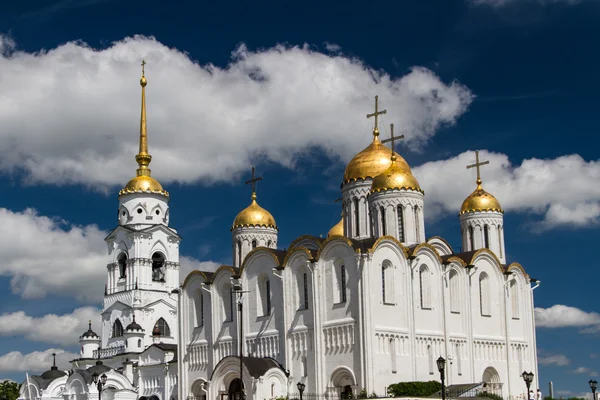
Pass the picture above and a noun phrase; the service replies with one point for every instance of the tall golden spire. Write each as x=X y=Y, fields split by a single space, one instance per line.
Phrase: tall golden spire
x=143 y=158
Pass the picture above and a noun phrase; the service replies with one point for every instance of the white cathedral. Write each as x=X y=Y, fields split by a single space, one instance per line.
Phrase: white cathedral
x=373 y=304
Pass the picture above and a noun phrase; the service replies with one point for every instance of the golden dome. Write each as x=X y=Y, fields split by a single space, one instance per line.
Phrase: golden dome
x=338 y=229
x=143 y=183
x=254 y=215
x=372 y=161
x=396 y=176
x=480 y=200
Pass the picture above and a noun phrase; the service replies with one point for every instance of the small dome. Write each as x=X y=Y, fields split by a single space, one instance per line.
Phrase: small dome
x=396 y=176
x=371 y=162
x=99 y=368
x=53 y=373
x=143 y=184
x=134 y=326
x=338 y=229
x=89 y=333
x=254 y=215
x=480 y=200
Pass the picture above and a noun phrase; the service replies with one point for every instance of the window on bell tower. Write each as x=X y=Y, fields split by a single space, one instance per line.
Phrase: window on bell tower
x=122 y=261
x=117 y=329
x=158 y=267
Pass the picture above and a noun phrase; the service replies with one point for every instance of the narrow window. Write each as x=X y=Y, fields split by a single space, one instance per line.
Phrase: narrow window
x=393 y=354
x=458 y=359
x=162 y=328
x=239 y=251
x=117 y=328
x=486 y=236
x=382 y=215
x=400 y=223
x=158 y=267
x=454 y=292
x=430 y=358
x=231 y=304
x=500 y=241
x=305 y=291
x=387 y=282
x=356 y=218
x=484 y=295
x=383 y=282
x=417 y=225
x=227 y=295
x=269 y=244
x=304 y=367
x=199 y=309
x=471 y=237
x=425 y=293
x=268 y=297
x=253 y=244
x=139 y=342
x=514 y=294
x=343 y=283
x=122 y=260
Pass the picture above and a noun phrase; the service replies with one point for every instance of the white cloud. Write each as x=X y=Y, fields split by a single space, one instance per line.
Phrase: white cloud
x=204 y=121
x=553 y=359
x=45 y=255
x=58 y=329
x=189 y=264
x=37 y=361
x=501 y=3
x=561 y=190
x=560 y=316
x=585 y=371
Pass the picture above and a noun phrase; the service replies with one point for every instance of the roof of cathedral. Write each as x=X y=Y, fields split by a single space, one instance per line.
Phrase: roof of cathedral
x=396 y=176
x=480 y=200
x=254 y=215
x=89 y=333
x=338 y=229
x=134 y=326
x=143 y=182
x=53 y=373
x=99 y=368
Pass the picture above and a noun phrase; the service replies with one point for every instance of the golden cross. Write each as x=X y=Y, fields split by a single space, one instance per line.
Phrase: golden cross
x=143 y=64
x=392 y=138
x=376 y=114
x=477 y=165
x=253 y=181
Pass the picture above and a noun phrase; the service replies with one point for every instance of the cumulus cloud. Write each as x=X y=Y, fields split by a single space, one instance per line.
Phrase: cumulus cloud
x=204 y=121
x=51 y=256
x=585 y=371
x=58 y=329
x=501 y=3
x=37 y=361
x=189 y=264
x=561 y=316
x=553 y=359
x=543 y=187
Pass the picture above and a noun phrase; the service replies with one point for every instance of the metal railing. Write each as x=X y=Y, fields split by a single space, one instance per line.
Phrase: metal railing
x=109 y=351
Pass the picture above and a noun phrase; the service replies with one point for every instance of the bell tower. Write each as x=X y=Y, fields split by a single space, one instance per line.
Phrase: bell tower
x=143 y=267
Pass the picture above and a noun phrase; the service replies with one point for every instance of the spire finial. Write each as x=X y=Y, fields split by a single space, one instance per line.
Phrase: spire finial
x=253 y=182
x=477 y=165
x=143 y=158
x=376 y=114
x=392 y=139
x=90 y=324
x=54 y=359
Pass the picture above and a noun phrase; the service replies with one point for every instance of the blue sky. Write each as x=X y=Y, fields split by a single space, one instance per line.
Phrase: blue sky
x=285 y=86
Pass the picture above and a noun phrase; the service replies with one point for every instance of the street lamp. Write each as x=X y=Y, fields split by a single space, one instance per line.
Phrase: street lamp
x=100 y=383
x=593 y=386
x=528 y=378
x=302 y=386
x=441 y=364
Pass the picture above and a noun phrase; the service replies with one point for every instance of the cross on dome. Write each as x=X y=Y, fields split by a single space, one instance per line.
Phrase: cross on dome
x=253 y=182
x=392 y=139
x=376 y=114
x=477 y=165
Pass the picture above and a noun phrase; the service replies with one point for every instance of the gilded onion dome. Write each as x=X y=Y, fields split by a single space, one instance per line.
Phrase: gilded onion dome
x=338 y=229
x=480 y=200
x=143 y=182
x=254 y=215
x=396 y=176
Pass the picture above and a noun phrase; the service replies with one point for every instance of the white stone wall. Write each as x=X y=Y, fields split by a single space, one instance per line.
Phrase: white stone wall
x=413 y=229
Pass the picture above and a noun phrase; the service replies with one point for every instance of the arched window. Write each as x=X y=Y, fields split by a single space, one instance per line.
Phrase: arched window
x=304 y=291
x=454 y=292
x=471 y=237
x=199 y=308
x=139 y=343
x=486 y=236
x=264 y=295
x=304 y=367
x=239 y=252
x=382 y=217
x=400 y=211
x=500 y=241
x=268 y=293
x=343 y=283
x=356 y=218
x=158 y=267
x=484 y=295
x=162 y=328
x=253 y=244
x=417 y=224
x=514 y=299
x=227 y=297
x=122 y=260
x=425 y=287
x=117 y=328
x=387 y=282
x=269 y=244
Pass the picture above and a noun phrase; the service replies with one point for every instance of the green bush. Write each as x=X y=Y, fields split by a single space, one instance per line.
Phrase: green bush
x=492 y=396
x=417 y=389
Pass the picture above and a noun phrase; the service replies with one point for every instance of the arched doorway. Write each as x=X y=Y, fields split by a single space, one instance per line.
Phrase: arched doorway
x=491 y=382
x=346 y=393
x=343 y=384
x=236 y=388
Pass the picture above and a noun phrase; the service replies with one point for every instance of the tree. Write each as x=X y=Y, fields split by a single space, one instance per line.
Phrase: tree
x=9 y=390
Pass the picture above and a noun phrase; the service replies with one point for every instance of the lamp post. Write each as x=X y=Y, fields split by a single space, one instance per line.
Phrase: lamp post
x=593 y=386
x=99 y=383
x=528 y=378
x=236 y=283
x=302 y=386
x=441 y=364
